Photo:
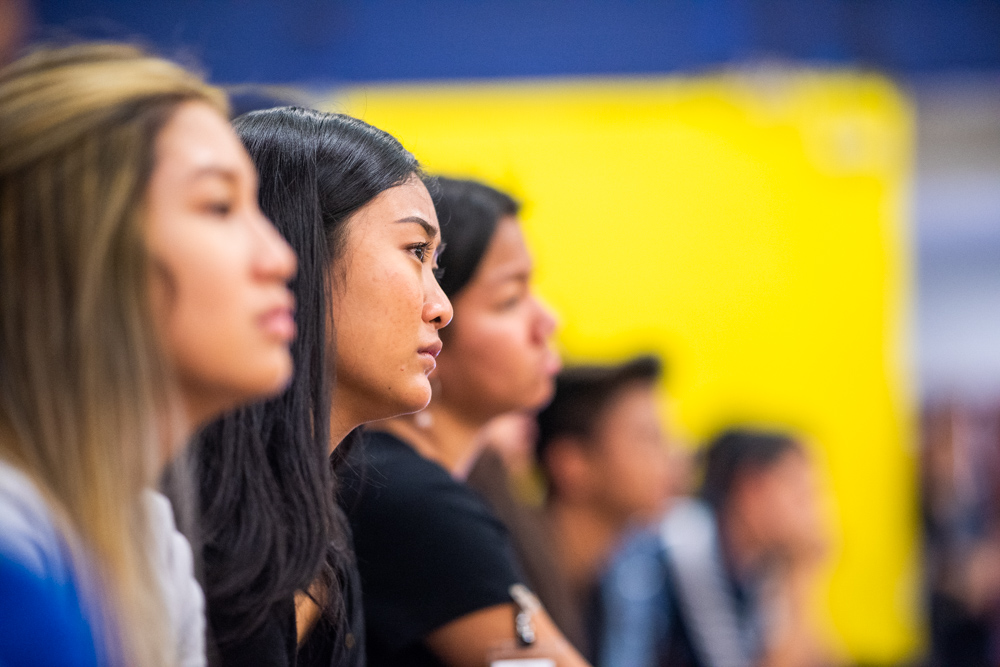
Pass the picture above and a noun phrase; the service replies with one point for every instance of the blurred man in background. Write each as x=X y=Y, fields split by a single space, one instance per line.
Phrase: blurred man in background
x=602 y=451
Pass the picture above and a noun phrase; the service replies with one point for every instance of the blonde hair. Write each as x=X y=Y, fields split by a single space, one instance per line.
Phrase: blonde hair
x=83 y=386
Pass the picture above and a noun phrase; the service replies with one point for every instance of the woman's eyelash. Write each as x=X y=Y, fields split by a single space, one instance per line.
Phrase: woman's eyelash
x=220 y=208
x=421 y=250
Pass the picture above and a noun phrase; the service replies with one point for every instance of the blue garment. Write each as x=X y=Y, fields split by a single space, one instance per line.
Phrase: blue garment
x=635 y=605
x=669 y=598
x=41 y=620
x=30 y=539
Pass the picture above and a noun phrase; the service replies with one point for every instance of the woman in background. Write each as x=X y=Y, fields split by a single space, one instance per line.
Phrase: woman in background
x=142 y=293
x=436 y=565
x=349 y=199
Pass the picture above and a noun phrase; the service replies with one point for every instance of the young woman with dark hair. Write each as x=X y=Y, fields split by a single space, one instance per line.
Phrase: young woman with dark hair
x=437 y=567
x=349 y=199
x=142 y=294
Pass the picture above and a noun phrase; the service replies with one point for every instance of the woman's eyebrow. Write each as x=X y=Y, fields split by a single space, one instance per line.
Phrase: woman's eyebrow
x=215 y=171
x=521 y=276
x=431 y=230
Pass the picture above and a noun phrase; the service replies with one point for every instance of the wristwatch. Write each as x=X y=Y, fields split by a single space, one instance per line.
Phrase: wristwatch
x=524 y=623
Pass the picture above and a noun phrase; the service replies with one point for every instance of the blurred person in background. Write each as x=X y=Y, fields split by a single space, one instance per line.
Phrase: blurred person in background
x=508 y=446
x=681 y=466
x=726 y=578
x=603 y=453
x=281 y=580
x=143 y=294
x=960 y=504
x=437 y=567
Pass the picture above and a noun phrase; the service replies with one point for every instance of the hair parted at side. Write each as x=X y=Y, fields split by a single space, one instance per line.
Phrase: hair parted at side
x=269 y=517
x=83 y=384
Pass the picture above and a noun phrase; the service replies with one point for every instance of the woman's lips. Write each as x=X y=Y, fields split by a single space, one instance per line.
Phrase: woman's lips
x=429 y=353
x=434 y=349
x=279 y=323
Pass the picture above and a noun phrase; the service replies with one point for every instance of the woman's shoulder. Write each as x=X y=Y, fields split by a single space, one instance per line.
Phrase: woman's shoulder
x=428 y=550
x=28 y=532
x=405 y=499
x=391 y=475
x=385 y=469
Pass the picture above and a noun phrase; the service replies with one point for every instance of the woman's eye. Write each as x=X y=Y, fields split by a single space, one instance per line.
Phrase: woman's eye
x=421 y=251
x=438 y=273
x=510 y=302
x=221 y=209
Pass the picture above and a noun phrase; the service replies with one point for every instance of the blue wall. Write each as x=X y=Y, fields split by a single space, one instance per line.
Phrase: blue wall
x=365 y=40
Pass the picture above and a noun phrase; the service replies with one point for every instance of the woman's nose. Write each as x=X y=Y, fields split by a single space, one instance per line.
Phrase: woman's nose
x=546 y=322
x=437 y=306
x=275 y=257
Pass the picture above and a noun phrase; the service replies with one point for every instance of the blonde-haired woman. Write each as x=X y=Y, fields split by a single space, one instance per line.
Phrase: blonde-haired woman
x=142 y=293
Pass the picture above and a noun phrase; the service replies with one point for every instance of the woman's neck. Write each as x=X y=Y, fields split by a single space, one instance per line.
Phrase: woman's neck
x=339 y=429
x=438 y=434
x=346 y=414
x=175 y=430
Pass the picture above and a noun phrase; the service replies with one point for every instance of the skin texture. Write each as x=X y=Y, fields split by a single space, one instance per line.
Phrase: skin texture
x=387 y=308
x=498 y=356
x=220 y=269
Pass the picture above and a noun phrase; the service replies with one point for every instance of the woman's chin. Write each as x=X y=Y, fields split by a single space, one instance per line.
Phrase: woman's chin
x=235 y=392
x=423 y=402
x=541 y=396
x=273 y=382
x=416 y=400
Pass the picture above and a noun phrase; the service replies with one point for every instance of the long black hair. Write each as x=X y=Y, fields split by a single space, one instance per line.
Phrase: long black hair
x=269 y=521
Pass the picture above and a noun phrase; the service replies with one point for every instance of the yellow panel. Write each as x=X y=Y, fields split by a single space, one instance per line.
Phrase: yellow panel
x=752 y=230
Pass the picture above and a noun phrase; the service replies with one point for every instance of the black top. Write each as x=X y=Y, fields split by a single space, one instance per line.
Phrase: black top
x=270 y=645
x=428 y=549
x=535 y=550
